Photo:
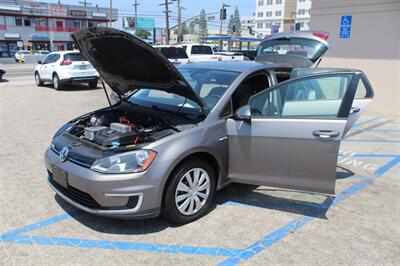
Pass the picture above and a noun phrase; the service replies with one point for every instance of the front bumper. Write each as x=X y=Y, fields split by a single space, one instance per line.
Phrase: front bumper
x=123 y=195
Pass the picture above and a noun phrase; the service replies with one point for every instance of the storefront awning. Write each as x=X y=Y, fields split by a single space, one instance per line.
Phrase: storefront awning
x=40 y=38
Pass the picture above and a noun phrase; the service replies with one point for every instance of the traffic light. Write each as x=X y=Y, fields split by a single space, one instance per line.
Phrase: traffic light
x=181 y=38
x=250 y=30
x=222 y=14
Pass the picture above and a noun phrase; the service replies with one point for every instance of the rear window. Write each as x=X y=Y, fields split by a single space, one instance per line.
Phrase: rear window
x=201 y=49
x=173 y=52
x=74 y=57
x=309 y=48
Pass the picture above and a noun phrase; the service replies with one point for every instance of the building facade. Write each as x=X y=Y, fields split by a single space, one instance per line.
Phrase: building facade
x=247 y=22
x=303 y=14
x=273 y=16
x=372 y=44
x=44 y=26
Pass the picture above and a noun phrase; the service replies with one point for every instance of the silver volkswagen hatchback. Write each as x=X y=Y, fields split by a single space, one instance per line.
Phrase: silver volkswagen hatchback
x=178 y=135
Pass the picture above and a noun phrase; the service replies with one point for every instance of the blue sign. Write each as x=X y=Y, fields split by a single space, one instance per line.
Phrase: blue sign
x=275 y=28
x=345 y=27
x=145 y=23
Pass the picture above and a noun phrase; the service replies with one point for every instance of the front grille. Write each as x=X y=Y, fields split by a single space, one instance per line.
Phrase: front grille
x=78 y=162
x=75 y=194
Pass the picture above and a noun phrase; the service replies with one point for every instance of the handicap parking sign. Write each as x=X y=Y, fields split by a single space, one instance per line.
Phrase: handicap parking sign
x=345 y=27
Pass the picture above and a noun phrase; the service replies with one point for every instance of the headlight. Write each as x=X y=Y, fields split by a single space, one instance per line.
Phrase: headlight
x=129 y=162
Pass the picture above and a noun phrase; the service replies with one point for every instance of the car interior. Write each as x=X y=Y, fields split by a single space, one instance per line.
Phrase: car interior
x=251 y=86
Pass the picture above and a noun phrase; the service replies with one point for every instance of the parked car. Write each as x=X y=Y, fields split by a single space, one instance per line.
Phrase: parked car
x=65 y=68
x=250 y=54
x=175 y=54
x=21 y=54
x=179 y=134
x=2 y=72
x=205 y=52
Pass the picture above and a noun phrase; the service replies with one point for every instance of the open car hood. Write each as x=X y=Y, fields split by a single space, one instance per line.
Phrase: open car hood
x=298 y=49
x=127 y=63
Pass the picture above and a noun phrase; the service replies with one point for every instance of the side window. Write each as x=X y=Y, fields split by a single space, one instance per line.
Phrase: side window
x=318 y=96
x=48 y=58
x=54 y=58
x=227 y=111
x=361 y=91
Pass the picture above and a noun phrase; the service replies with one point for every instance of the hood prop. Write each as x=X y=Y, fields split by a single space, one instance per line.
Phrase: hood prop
x=105 y=91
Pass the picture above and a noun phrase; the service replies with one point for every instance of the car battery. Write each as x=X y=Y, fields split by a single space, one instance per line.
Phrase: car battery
x=91 y=132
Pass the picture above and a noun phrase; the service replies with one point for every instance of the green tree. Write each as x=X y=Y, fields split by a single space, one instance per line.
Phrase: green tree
x=203 y=24
x=234 y=24
x=144 y=34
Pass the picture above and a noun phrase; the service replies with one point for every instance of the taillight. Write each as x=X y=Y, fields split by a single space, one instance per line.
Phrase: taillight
x=65 y=63
x=322 y=35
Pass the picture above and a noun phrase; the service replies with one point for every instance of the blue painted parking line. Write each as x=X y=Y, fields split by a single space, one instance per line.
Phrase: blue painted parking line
x=298 y=223
x=19 y=236
x=372 y=140
x=366 y=121
x=376 y=130
x=371 y=155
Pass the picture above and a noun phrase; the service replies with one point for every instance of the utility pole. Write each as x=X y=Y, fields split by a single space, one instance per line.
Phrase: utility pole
x=166 y=20
x=110 y=21
x=136 y=5
x=179 y=26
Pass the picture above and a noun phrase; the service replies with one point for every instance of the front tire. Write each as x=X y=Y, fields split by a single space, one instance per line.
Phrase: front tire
x=38 y=81
x=56 y=82
x=190 y=192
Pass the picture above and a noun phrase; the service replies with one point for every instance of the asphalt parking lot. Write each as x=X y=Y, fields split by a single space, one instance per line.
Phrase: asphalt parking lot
x=249 y=225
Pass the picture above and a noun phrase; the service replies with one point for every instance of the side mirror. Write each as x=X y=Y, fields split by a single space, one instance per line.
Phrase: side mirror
x=243 y=113
x=39 y=62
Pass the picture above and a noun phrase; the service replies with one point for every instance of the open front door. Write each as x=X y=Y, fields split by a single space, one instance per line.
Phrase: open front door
x=293 y=136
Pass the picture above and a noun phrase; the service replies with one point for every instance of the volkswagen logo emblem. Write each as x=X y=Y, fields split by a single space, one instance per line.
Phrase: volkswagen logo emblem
x=63 y=154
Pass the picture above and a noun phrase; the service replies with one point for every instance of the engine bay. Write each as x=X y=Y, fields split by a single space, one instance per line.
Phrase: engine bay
x=120 y=128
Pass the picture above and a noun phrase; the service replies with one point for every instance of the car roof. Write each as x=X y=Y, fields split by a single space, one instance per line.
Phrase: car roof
x=167 y=46
x=236 y=66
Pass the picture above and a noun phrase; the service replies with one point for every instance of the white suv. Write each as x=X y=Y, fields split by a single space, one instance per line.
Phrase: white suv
x=64 y=68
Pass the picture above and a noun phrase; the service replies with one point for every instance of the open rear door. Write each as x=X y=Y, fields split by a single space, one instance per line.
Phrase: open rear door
x=293 y=136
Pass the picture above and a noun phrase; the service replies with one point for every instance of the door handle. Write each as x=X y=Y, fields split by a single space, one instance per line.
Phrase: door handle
x=326 y=134
x=354 y=110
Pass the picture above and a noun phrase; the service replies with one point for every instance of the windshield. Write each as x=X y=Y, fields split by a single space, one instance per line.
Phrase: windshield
x=74 y=57
x=312 y=49
x=209 y=84
x=173 y=52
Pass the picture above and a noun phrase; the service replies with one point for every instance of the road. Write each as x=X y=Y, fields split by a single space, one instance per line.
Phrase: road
x=248 y=225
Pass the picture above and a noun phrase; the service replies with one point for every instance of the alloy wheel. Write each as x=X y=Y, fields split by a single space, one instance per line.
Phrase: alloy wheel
x=193 y=191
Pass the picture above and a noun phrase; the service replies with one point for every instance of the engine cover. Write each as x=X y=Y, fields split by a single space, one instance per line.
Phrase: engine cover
x=107 y=136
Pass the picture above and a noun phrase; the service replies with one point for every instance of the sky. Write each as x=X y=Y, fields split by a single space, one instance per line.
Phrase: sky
x=151 y=8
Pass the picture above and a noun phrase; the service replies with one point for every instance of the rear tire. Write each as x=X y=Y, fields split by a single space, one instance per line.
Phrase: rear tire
x=93 y=84
x=56 y=82
x=189 y=192
x=38 y=81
